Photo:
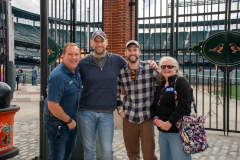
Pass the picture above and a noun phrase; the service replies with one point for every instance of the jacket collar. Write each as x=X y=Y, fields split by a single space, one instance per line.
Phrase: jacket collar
x=90 y=56
x=172 y=79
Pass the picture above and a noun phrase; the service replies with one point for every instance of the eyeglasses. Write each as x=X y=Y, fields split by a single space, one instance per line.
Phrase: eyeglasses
x=133 y=74
x=167 y=66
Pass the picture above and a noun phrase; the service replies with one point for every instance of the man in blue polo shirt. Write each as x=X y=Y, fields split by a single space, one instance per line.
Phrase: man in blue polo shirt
x=64 y=88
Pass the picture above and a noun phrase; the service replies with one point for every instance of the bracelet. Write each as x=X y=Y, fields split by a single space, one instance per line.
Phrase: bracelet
x=69 y=121
x=155 y=117
x=119 y=111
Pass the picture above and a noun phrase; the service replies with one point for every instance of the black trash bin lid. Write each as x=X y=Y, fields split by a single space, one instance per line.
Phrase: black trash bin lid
x=5 y=92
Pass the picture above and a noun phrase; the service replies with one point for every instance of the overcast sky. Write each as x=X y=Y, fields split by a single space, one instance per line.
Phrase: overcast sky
x=34 y=7
x=28 y=5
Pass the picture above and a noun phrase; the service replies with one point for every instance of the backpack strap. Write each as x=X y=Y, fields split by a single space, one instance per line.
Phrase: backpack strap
x=193 y=104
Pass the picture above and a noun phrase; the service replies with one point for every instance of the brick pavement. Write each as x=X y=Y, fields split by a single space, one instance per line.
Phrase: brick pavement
x=26 y=133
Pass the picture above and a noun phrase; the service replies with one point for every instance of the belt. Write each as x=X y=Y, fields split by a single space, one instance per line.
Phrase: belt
x=48 y=113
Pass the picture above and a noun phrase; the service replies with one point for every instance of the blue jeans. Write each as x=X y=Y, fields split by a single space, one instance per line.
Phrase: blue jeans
x=61 y=140
x=90 y=122
x=34 y=80
x=170 y=145
x=20 y=79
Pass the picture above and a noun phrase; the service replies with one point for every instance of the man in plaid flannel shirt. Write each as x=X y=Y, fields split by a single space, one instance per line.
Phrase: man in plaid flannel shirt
x=137 y=79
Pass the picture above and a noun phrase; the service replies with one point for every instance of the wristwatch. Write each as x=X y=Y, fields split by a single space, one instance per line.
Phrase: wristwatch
x=69 y=121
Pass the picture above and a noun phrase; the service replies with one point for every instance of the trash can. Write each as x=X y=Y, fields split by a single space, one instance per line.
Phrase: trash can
x=6 y=132
x=7 y=113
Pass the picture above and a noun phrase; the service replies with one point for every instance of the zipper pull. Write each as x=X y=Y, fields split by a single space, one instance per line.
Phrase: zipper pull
x=101 y=69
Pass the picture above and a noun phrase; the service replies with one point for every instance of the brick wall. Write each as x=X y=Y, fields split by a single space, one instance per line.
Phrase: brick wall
x=119 y=24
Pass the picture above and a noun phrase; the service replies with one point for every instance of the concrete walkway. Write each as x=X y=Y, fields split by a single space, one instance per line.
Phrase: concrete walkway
x=26 y=132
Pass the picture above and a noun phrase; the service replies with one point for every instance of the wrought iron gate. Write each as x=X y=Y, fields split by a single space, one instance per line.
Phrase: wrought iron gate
x=75 y=21
x=4 y=41
x=67 y=21
x=170 y=27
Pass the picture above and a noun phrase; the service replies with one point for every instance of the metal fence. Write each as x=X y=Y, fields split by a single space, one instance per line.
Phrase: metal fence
x=4 y=41
x=75 y=21
x=170 y=27
x=67 y=21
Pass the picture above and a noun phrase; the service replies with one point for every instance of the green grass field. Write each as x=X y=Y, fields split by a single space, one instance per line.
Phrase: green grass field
x=235 y=92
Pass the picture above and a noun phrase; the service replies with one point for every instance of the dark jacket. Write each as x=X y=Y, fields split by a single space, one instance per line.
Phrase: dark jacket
x=165 y=107
x=100 y=84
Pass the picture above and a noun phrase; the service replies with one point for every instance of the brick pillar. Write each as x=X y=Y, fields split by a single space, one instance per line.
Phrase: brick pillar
x=118 y=24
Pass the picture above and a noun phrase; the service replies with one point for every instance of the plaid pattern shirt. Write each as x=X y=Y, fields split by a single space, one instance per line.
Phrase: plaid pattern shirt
x=139 y=93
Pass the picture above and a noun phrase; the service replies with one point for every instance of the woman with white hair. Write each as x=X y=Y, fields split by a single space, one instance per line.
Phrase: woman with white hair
x=165 y=113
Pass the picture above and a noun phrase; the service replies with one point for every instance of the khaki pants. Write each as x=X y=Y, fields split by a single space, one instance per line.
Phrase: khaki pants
x=133 y=133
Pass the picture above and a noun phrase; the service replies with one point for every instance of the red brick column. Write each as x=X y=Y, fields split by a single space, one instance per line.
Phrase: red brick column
x=118 y=24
